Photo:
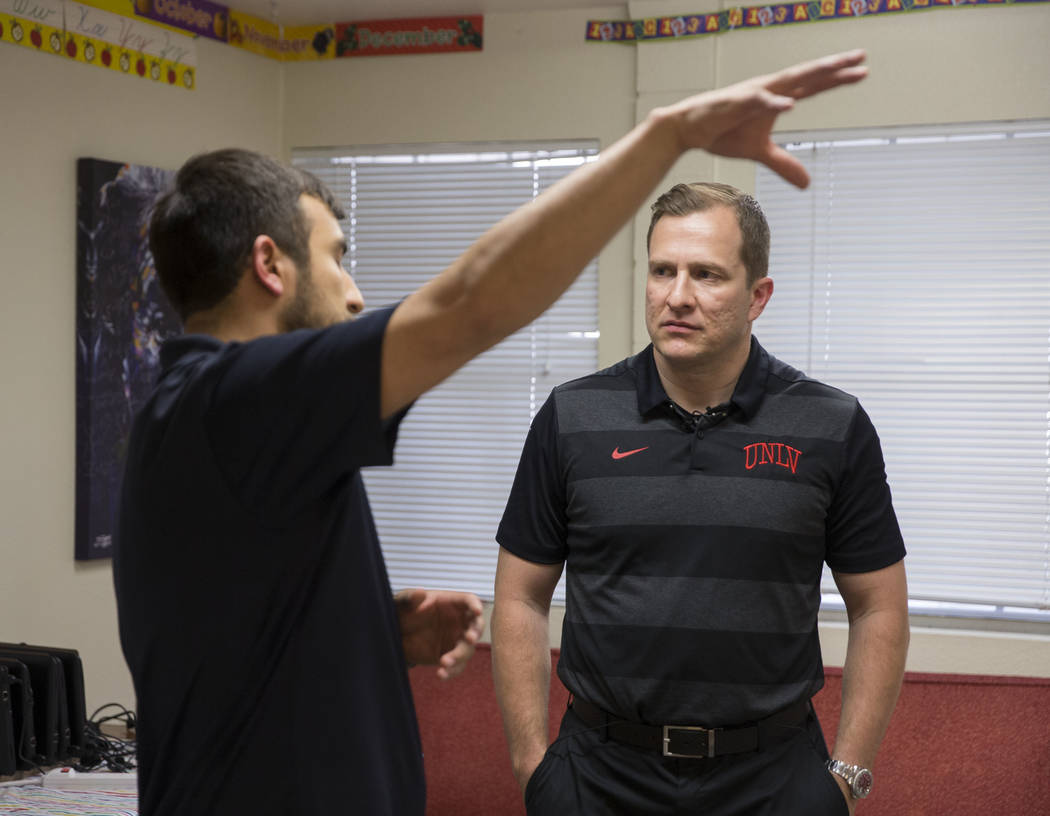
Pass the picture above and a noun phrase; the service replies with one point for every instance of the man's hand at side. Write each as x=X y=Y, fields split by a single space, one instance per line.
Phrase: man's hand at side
x=521 y=657
x=851 y=803
x=439 y=628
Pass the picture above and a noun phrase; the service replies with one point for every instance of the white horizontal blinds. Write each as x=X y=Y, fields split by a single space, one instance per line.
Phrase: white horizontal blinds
x=410 y=214
x=915 y=274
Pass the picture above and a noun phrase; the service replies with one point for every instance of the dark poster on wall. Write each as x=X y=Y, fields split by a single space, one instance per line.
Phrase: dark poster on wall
x=122 y=318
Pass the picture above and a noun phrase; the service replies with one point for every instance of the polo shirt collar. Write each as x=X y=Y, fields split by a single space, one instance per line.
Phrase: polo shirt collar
x=747 y=395
x=751 y=386
x=186 y=347
x=651 y=391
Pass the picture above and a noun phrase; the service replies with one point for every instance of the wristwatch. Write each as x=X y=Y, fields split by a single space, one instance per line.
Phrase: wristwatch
x=859 y=779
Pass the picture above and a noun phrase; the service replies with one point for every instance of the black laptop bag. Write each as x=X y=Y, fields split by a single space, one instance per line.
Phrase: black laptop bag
x=23 y=721
x=50 y=711
x=8 y=757
x=75 y=700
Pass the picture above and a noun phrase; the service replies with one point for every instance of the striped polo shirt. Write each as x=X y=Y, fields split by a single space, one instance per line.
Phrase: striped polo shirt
x=694 y=545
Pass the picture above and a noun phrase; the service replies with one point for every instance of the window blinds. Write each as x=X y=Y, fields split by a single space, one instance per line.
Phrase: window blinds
x=915 y=274
x=410 y=212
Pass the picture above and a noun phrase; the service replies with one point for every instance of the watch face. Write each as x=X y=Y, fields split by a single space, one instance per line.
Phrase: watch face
x=862 y=783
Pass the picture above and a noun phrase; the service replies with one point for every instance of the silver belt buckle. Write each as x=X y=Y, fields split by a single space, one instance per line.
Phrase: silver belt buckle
x=710 y=741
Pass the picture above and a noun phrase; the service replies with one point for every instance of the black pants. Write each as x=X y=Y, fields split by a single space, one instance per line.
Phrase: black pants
x=584 y=775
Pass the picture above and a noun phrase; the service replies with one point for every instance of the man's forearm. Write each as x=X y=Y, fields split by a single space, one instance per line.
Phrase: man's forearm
x=530 y=257
x=521 y=265
x=521 y=667
x=871 y=682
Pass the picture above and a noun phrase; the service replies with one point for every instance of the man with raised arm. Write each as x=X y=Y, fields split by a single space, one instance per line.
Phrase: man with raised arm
x=255 y=612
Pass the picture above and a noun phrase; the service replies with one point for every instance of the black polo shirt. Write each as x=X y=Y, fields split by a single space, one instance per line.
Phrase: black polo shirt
x=255 y=610
x=694 y=546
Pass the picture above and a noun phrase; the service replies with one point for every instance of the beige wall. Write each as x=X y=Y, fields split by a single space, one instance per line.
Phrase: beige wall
x=536 y=79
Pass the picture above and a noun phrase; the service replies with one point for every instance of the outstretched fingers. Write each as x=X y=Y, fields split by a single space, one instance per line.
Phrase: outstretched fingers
x=787 y=166
x=809 y=78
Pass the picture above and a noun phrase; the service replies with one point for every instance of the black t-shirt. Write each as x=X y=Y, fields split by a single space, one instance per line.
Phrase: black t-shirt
x=255 y=609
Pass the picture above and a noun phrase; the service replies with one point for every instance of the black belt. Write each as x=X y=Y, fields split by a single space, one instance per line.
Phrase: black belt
x=691 y=741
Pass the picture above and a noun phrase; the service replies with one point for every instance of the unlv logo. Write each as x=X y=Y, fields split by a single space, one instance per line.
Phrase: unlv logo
x=771 y=453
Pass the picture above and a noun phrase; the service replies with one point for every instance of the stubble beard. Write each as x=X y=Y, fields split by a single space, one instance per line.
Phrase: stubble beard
x=304 y=312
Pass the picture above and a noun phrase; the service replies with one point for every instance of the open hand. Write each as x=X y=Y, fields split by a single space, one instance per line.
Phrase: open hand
x=737 y=121
x=439 y=627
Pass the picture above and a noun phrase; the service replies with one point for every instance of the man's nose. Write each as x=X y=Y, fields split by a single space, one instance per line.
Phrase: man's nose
x=355 y=301
x=681 y=292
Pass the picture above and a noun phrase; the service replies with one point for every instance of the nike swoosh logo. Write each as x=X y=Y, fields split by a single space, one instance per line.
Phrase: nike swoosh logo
x=619 y=454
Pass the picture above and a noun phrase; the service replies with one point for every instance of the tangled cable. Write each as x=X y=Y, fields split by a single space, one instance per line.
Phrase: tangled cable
x=118 y=755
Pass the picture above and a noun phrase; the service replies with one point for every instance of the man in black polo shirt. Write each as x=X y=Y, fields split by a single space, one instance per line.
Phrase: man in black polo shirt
x=693 y=493
x=255 y=612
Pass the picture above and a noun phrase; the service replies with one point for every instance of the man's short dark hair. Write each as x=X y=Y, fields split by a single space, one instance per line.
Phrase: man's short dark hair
x=684 y=199
x=202 y=231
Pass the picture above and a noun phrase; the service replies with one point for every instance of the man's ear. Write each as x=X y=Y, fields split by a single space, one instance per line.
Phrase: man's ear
x=269 y=265
x=761 y=292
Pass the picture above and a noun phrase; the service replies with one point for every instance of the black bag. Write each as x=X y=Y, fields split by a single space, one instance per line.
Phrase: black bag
x=8 y=758
x=22 y=712
x=75 y=700
x=50 y=710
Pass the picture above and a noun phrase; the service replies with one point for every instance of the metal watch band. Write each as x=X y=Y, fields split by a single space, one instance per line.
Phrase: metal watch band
x=859 y=779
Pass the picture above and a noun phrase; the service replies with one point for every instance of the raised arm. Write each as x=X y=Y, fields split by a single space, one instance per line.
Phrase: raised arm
x=523 y=264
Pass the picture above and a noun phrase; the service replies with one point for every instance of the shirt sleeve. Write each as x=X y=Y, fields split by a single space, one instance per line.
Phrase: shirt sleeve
x=534 y=522
x=291 y=414
x=862 y=532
